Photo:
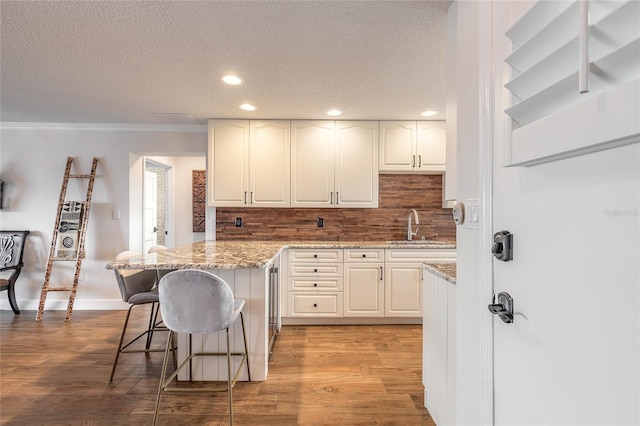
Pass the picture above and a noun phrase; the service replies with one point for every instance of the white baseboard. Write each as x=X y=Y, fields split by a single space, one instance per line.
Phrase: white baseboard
x=61 y=305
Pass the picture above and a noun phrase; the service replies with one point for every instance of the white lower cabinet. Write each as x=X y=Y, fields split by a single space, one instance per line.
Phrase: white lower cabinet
x=315 y=304
x=314 y=283
x=364 y=283
x=403 y=290
x=403 y=279
x=439 y=348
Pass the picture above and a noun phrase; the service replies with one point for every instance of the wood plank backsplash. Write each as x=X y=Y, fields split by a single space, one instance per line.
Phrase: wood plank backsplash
x=397 y=195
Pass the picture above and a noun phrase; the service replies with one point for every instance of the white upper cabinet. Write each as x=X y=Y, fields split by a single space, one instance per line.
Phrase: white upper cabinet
x=312 y=163
x=397 y=145
x=356 y=164
x=431 y=146
x=269 y=164
x=410 y=146
x=249 y=163
x=228 y=170
x=334 y=164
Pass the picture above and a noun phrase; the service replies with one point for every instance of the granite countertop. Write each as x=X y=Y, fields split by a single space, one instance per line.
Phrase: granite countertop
x=248 y=254
x=446 y=271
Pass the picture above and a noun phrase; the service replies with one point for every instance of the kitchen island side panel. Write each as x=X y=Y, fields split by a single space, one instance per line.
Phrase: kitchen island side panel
x=250 y=285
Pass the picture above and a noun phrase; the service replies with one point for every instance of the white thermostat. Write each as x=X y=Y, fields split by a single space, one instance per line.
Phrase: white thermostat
x=458 y=212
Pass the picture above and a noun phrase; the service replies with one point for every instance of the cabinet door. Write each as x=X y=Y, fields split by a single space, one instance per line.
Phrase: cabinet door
x=269 y=160
x=312 y=164
x=403 y=290
x=356 y=164
x=228 y=173
x=397 y=145
x=431 y=146
x=363 y=290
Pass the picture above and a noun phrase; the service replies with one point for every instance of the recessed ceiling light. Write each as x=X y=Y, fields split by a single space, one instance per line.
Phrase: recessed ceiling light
x=428 y=113
x=232 y=80
x=334 y=112
x=247 y=107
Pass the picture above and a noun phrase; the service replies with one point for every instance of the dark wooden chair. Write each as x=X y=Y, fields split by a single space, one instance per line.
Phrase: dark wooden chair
x=11 y=250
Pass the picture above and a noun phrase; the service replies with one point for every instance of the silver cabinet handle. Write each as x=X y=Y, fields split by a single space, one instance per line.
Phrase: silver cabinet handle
x=381 y=273
x=251 y=197
x=413 y=161
x=583 y=40
x=337 y=198
x=419 y=161
x=245 y=197
x=331 y=199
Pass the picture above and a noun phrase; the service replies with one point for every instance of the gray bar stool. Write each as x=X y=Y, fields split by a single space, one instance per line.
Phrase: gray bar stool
x=137 y=287
x=199 y=302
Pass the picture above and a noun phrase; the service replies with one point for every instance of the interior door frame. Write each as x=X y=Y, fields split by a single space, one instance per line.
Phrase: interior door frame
x=169 y=197
x=489 y=102
x=150 y=197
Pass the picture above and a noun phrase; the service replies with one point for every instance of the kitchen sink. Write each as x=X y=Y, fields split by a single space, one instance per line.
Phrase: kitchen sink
x=415 y=242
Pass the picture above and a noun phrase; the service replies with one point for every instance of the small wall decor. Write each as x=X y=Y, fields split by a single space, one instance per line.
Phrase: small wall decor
x=199 y=200
x=69 y=230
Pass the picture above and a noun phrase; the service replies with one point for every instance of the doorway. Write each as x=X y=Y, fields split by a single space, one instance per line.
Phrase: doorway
x=155 y=205
x=175 y=225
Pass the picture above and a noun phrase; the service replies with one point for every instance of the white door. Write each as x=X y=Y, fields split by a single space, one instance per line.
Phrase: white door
x=150 y=208
x=572 y=353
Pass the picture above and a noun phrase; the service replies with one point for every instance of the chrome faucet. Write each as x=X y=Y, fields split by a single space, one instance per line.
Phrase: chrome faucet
x=410 y=232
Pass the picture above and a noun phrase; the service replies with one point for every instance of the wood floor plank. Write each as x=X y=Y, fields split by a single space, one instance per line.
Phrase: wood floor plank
x=56 y=372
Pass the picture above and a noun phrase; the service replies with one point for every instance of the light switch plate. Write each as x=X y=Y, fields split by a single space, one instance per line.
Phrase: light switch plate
x=472 y=213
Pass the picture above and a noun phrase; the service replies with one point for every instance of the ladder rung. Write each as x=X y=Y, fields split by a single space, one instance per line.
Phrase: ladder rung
x=64 y=259
x=59 y=289
x=79 y=176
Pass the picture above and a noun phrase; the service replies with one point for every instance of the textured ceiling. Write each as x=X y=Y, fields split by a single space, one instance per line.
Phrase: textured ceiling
x=137 y=61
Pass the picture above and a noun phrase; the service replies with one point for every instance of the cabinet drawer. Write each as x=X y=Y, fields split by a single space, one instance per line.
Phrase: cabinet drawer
x=313 y=256
x=322 y=284
x=315 y=304
x=408 y=255
x=363 y=255
x=313 y=270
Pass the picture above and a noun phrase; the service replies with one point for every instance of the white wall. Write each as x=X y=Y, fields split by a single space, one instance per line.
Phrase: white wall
x=32 y=161
x=183 y=199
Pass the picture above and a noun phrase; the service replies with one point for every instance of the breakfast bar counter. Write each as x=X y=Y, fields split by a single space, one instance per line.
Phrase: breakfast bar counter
x=250 y=254
x=247 y=266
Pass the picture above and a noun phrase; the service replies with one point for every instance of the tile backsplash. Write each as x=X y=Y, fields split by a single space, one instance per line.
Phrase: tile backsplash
x=397 y=195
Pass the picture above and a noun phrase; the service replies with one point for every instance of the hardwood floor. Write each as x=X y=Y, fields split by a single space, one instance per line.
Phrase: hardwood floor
x=57 y=373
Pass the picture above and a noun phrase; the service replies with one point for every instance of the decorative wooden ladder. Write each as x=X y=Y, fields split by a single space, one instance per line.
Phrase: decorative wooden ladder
x=68 y=236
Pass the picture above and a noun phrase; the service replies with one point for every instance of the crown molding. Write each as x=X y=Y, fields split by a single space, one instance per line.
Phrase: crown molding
x=104 y=127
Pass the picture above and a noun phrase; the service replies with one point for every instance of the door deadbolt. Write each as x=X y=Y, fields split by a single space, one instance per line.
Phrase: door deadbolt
x=503 y=246
x=504 y=307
